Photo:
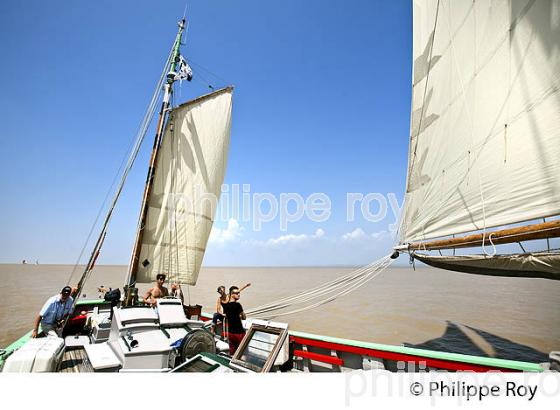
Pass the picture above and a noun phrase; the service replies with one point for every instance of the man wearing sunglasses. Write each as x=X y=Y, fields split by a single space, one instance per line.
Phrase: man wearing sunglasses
x=158 y=291
x=234 y=314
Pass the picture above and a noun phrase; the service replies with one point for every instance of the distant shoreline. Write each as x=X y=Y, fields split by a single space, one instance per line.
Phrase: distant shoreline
x=211 y=266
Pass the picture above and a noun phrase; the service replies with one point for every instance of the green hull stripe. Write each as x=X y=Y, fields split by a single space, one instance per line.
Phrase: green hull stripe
x=90 y=302
x=432 y=354
x=455 y=357
x=13 y=347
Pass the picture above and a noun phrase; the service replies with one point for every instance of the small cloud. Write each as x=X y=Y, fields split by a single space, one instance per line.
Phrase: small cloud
x=285 y=239
x=290 y=239
x=357 y=233
x=232 y=232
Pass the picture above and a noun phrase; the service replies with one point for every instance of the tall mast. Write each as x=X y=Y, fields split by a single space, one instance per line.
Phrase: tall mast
x=168 y=90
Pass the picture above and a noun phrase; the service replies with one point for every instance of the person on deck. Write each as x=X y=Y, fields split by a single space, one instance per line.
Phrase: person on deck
x=234 y=314
x=222 y=300
x=158 y=291
x=55 y=310
x=219 y=313
x=177 y=292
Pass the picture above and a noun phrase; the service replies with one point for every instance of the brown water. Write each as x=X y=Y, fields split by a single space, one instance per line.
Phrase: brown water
x=499 y=317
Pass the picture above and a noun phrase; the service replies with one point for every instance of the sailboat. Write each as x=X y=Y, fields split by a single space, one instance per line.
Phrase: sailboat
x=484 y=138
x=483 y=156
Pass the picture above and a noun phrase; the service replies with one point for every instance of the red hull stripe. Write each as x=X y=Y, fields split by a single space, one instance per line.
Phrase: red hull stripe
x=319 y=357
x=429 y=362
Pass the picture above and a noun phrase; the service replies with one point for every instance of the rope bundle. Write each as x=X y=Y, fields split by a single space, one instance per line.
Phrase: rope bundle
x=322 y=294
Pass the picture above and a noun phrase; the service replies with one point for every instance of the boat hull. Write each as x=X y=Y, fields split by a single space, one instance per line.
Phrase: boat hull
x=318 y=353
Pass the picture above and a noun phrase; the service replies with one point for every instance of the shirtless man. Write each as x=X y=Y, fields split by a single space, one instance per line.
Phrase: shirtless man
x=158 y=291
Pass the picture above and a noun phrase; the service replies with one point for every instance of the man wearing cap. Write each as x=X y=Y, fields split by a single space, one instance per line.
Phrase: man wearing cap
x=53 y=313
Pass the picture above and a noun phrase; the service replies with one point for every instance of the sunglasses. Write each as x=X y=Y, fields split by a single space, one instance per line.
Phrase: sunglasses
x=235 y=293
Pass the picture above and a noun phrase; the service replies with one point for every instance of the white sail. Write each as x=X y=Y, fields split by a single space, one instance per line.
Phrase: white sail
x=485 y=122
x=188 y=178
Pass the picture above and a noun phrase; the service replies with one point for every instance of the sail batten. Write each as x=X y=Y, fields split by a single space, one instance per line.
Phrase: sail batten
x=186 y=188
x=485 y=131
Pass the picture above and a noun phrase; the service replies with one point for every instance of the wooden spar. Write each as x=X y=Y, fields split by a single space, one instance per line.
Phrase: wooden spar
x=523 y=233
x=135 y=258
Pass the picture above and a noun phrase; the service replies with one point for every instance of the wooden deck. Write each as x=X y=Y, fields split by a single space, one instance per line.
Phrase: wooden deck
x=75 y=361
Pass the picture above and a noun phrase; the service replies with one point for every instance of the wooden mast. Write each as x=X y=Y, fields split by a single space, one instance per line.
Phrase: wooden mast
x=523 y=233
x=134 y=260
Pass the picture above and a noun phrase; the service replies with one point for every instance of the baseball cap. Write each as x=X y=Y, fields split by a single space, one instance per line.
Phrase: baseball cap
x=66 y=290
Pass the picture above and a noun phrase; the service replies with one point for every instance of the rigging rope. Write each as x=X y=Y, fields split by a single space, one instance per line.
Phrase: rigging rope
x=142 y=130
x=321 y=294
x=221 y=80
x=185 y=11
x=133 y=143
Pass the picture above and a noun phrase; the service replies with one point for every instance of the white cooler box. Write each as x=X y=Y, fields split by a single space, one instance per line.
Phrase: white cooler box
x=76 y=342
x=43 y=354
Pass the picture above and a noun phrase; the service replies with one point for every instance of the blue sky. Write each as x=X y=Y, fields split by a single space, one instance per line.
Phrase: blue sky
x=321 y=104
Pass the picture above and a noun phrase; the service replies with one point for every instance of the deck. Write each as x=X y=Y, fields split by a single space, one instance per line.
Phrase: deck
x=75 y=361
